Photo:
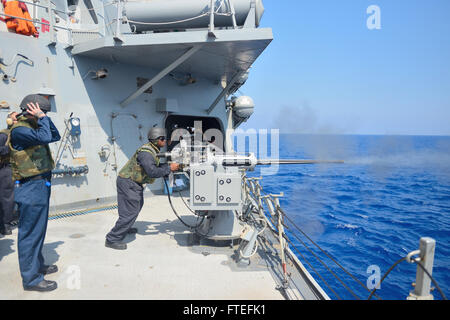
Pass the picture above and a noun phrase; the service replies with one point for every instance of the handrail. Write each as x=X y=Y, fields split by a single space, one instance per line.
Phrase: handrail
x=212 y=11
x=255 y=191
x=34 y=21
x=21 y=18
x=53 y=26
x=38 y=5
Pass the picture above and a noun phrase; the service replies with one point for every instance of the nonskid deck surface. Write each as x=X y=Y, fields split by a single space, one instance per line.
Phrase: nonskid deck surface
x=161 y=262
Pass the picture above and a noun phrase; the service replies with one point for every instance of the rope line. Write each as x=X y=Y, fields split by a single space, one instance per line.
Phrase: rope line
x=278 y=208
x=384 y=277
x=324 y=264
x=432 y=279
x=314 y=269
x=328 y=255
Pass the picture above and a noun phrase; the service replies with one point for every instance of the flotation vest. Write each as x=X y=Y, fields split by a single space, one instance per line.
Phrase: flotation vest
x=5 y=159
x=31 y=161
x=19 y=9
x=132 y=170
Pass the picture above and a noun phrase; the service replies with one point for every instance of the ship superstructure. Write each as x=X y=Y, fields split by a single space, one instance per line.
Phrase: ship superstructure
x=112 y=70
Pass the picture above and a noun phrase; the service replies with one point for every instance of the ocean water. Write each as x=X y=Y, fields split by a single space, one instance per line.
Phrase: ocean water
x=368 y=212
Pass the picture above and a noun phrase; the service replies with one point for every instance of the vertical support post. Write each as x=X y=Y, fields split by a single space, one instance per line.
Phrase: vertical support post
x=70 y=38
x=69 y=34
x=51 y=19
x=211 y=19
x=103 y=33
x=118 y=21
x=422 y=290
x=233 y=13
x=34 y=11
x=258 y=193
x=229 y=131
x=250 y=21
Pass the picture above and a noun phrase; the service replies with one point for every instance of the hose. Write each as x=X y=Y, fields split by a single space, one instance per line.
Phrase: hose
x=420 y=265
x=385 y=275
x=432 y=279
x=252 y=254
x=194 y=228
x=187 y=206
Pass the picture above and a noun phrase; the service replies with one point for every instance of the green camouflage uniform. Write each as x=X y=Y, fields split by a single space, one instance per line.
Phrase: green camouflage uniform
x=5 y=159
x=132 y=170
x=31 y=161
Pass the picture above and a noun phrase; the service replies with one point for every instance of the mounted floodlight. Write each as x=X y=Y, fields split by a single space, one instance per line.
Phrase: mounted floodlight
x=243 y=106
x=100 y=74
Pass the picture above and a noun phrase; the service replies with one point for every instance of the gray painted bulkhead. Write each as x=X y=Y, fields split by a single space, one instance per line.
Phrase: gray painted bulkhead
x=94 y=101
x=63 y=69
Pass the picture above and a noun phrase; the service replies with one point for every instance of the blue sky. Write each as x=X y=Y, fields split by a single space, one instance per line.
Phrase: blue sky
x=326 y=72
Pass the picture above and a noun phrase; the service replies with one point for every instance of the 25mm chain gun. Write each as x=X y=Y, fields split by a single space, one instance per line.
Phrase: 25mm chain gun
x=217 y=189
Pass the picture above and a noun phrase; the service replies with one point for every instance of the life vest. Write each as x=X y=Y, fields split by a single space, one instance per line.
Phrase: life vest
x=133 y=170
x=5 y=159
x=31 y=161
x=19 y=9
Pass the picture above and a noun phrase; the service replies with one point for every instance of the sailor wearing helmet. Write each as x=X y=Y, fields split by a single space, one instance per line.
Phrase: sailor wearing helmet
x=143 y=167
x=32 y=164
x=6 y=183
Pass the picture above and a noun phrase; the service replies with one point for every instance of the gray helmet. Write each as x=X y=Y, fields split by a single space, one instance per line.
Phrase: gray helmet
x=44 y=103
x=155 y=132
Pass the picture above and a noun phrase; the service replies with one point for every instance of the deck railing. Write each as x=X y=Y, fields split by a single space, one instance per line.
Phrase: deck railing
x=53 y=26
x=99 y=12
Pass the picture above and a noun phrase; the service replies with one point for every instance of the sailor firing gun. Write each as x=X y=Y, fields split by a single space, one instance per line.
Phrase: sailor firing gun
x=143 y=168
x=215 y=178
x=217 y=192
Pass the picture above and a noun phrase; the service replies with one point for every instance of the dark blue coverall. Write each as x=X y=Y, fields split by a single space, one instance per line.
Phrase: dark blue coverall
x=6 y=186
x=32 y=197
x=130 y=196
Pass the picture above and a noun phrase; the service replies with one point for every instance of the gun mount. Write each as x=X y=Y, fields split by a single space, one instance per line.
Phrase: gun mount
x=217 y=189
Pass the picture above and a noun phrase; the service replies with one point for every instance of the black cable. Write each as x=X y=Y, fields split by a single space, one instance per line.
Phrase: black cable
x=325 y=265
x=306 y=260
x=432 y=279
x=329 y=256
x=181 y=196
x=421 y=266
x=189 y=208
x=275 y=232
x=385 y=275
x=354 y=278
x=194 y=228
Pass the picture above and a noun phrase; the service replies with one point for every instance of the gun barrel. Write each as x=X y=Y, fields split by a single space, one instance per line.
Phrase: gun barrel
x=294 y=161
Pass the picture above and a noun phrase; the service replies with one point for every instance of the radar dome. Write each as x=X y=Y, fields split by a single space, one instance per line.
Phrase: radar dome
x=243 y=106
